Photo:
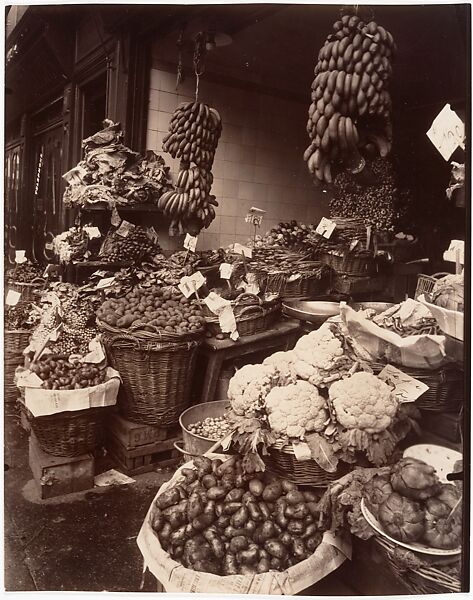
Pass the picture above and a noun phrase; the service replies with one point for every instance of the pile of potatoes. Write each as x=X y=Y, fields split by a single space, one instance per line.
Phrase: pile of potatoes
x=219 y=520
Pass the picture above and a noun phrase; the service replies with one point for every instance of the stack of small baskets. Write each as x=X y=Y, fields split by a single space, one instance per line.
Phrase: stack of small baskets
x=156 y=371
x=252 y=315
x=438 y=578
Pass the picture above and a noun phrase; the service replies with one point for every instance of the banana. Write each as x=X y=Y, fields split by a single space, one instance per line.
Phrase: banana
x=353 y=22
x=365 y=45
x=325 y=143
x=315 y=117
x=317 y=94
x=366 y=58
x=312 y=108
x=340 y=82
x=347 y=55
x=363 y=107
x=341 y=135
x=349 y=132
x=332 y=64
x=327 y=96
x=347 y=85
x=365 y=82
x=379 y=85
x=163 y=199
x=311 y=162
x=340 y=63
x=375 y=100
x=321 y=105
x=336 y=100
x=358 y=69
x=308 y=152
x=334 y=50
x=352 y=105
x=355 y=83
x=343 y=46
x=357 y=54
x=369 y=68
x=319 y=171
x=360 y=98
x=333 y=126
x=390 y=40
x=357 y=41
x=322 y=125
x=372 y=28
x=370 y=92
x=329 y=110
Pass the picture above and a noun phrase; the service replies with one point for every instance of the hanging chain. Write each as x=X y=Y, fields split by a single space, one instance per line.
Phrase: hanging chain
x=180 y=66
x=199 y=67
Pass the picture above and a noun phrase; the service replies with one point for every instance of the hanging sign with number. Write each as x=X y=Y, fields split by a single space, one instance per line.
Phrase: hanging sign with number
x=447 y=132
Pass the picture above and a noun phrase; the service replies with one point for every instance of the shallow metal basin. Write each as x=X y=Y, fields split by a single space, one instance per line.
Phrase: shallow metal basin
x=379 y=307
x=314 y=311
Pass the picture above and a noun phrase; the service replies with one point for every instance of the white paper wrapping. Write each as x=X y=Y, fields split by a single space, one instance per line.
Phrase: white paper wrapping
x=450 y=321
x=329 y=555
x=415 y=351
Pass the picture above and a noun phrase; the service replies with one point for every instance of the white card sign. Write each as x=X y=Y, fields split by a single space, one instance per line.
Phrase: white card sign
x=190 y=242
x=20 y=257
x=216 y=303
x=226 y=270
x=406 y=388
x=125 y=228
x=104 y=283
x=456 y=247
x=447 y=132
x=12 y=298
x=244 y=250
x=93 y=232
x=189 y=285
x=325 y=228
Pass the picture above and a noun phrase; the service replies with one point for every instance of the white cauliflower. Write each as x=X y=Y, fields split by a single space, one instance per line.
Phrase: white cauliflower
x=363 y=401
x=249 y=386
x=296 y=409
x=320 y=356
x=284 y=363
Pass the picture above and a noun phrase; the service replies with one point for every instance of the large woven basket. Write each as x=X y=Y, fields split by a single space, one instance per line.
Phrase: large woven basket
x=282 y=461
x=446 y=387
x=15 y=341
x=69 y=433
x=156 y=372
x=28 y=291
x=426 y=579
x=357 y=265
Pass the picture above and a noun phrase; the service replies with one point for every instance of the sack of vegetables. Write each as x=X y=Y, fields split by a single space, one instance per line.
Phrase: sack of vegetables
x=151 y=336
x=214 y=529
x=66 y=401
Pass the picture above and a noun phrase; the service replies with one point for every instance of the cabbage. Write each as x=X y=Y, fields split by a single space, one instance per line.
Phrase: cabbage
x=448 y=292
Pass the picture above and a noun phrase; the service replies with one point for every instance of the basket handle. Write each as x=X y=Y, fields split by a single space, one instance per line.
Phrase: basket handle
x=440 y=274
x=247 y=296
x=250 y=309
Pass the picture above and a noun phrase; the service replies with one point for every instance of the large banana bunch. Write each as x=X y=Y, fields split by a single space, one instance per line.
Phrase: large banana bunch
x=194 y=131
x=351 y=105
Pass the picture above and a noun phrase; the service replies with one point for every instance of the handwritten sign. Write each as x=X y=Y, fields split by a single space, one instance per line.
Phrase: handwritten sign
x=104 y=283
x=12 y=298
x=152 y=234
x=189 y=285
x=216 y=303
x=125 y=228
x=255 y=216
x=226 y=270
x=20 y=257
x=93 y=232
x=406 y=388
x=325 y=228
x=447 y=132
x=190 y=242
x=456 y=251
x=244 y=250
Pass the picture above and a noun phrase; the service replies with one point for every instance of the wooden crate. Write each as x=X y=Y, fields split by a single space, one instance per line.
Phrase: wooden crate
x=56 y=476
x=143 y=458
x=133 y=435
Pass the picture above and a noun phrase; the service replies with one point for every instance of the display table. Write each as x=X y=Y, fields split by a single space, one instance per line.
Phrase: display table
x=282 y=336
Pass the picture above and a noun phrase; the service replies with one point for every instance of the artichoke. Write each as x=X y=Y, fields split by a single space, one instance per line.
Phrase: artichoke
x=441 y=531
x=414 y=479
x=376 y=491
x=401 y=518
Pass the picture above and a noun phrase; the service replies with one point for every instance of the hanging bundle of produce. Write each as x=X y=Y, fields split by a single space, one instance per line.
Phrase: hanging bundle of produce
x=351 y=103
x=381 y=204
x=112 y=173
x=194 y=131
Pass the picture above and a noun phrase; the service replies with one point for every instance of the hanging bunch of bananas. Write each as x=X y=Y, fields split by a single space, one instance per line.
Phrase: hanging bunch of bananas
x=351 y=105
x=194 y=131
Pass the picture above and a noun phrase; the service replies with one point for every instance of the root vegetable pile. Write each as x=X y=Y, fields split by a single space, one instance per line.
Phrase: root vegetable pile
x=220 y=520
x=132 y=248
x=24 y=273
x=153 y=309
x=60 y=373
x=351 y=104
x=211 y=428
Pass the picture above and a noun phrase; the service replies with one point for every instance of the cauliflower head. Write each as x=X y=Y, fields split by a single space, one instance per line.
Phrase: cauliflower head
x=249 y=386
x=296 y=409
x=284 y=363
x=363 y=401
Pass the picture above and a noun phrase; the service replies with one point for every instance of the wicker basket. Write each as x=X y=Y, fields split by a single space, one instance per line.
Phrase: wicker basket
x=427 y=579
x=282 y=461
x=357 y=265
x=426 y=283
x=15 y=341
x=69 y=433
x=27 y=290
x=156 y=372
x=446 y=387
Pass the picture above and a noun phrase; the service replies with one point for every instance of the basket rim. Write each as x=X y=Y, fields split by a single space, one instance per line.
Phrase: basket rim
x=147 y=336
x=266 y=311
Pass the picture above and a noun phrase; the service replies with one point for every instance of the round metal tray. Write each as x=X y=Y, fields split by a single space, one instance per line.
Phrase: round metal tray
x=379 y=307
x=313 y=311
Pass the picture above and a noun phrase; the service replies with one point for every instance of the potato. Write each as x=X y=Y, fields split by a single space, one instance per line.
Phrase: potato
x=190 y=475
x=231 y=508
x=285 y=538
x=209 y=508
x=203 y=465
x=195 y=507
x=238 y=543
x=168 y=498
x=207 y=566
x=230 y=566
x=313 y=508
x=227 y=483
x=165 y=534
x=215 y=493
x=250 y=527
x=263 y=565
x=182 y=492
x=298 y=548
x=264 y=509
x=178 y=537
x=310 y=530
x=310 y=496
x=264 y=554
x=254 y=511
x=281 y=519
x=239 y=480
x=248 y=557
x=288 y=486
x=157 y=520
x=240 y=517
x=275 y=549
x=308 y=519
x=209 y=481
x=223 y=521
x=218 y=547
x=227 y=466
x=256 y=487
x=295 y=527
x=216 y=462
x=202 y=521
x=276 y=564
x=267 y=530
x=234 y=495
x=248 y=497
x=294 y=497
x=248 y=570
x=231 y=532
x=177 y=552
x=296 y=511
x=272 y=491
x=313 y=542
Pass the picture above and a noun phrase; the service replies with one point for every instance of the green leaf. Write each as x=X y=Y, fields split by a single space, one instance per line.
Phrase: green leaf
x=322 y=452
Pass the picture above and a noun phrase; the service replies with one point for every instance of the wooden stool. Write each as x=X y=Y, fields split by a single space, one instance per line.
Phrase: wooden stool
x=281 y=336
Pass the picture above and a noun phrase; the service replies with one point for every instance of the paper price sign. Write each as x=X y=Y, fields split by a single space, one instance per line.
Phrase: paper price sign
x=153 y=236
x=456 y=247
x=12 y=298
x=325 y=228
x=115 y=219
x=226 y=270
x=447 y=132
x=244 y=250
x=190 y=242
x=93 y=232
x=99 y=274
x=125 y=228
x=406 y=388
x=216 y=303
x=20 y=257
x=104 y=283
x=189 y=285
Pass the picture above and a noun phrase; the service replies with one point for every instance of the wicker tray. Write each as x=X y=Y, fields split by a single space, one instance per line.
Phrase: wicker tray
x=282 y=461
x=446 y=387
x=427 y=579
x=156 y=370
x=357 y=265
x=69 y=433
x=27 y=290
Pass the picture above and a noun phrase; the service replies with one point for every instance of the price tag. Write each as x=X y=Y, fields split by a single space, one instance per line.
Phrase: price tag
x=294 y=277
x=125 y=228
x=216 y=303
x=244 y=250
x=302 y=451
x=354 y=244
x=325 y=228
x=54 y=335
x=189 y=285
x=447 y=132
x=20 y=257
x=226 y=270
x=29 y=379
x=115 y=219
x=49 y=269
x=255 y=216
x=226 y=319
x=152 y=234
x=190 y=242
x=99 y=274
x=456 y=249
x=96 y=354
x=406 y=388
x=12 y=298
x=104 y=283
x=93 y=232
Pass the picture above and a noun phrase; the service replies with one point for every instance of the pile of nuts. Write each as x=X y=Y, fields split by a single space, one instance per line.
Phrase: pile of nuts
x=212 y=428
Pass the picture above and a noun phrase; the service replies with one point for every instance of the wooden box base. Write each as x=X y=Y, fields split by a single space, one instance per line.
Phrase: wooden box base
x=143 y=458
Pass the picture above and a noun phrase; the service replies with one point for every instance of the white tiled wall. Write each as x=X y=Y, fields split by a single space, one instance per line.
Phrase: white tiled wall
x=258 y=160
